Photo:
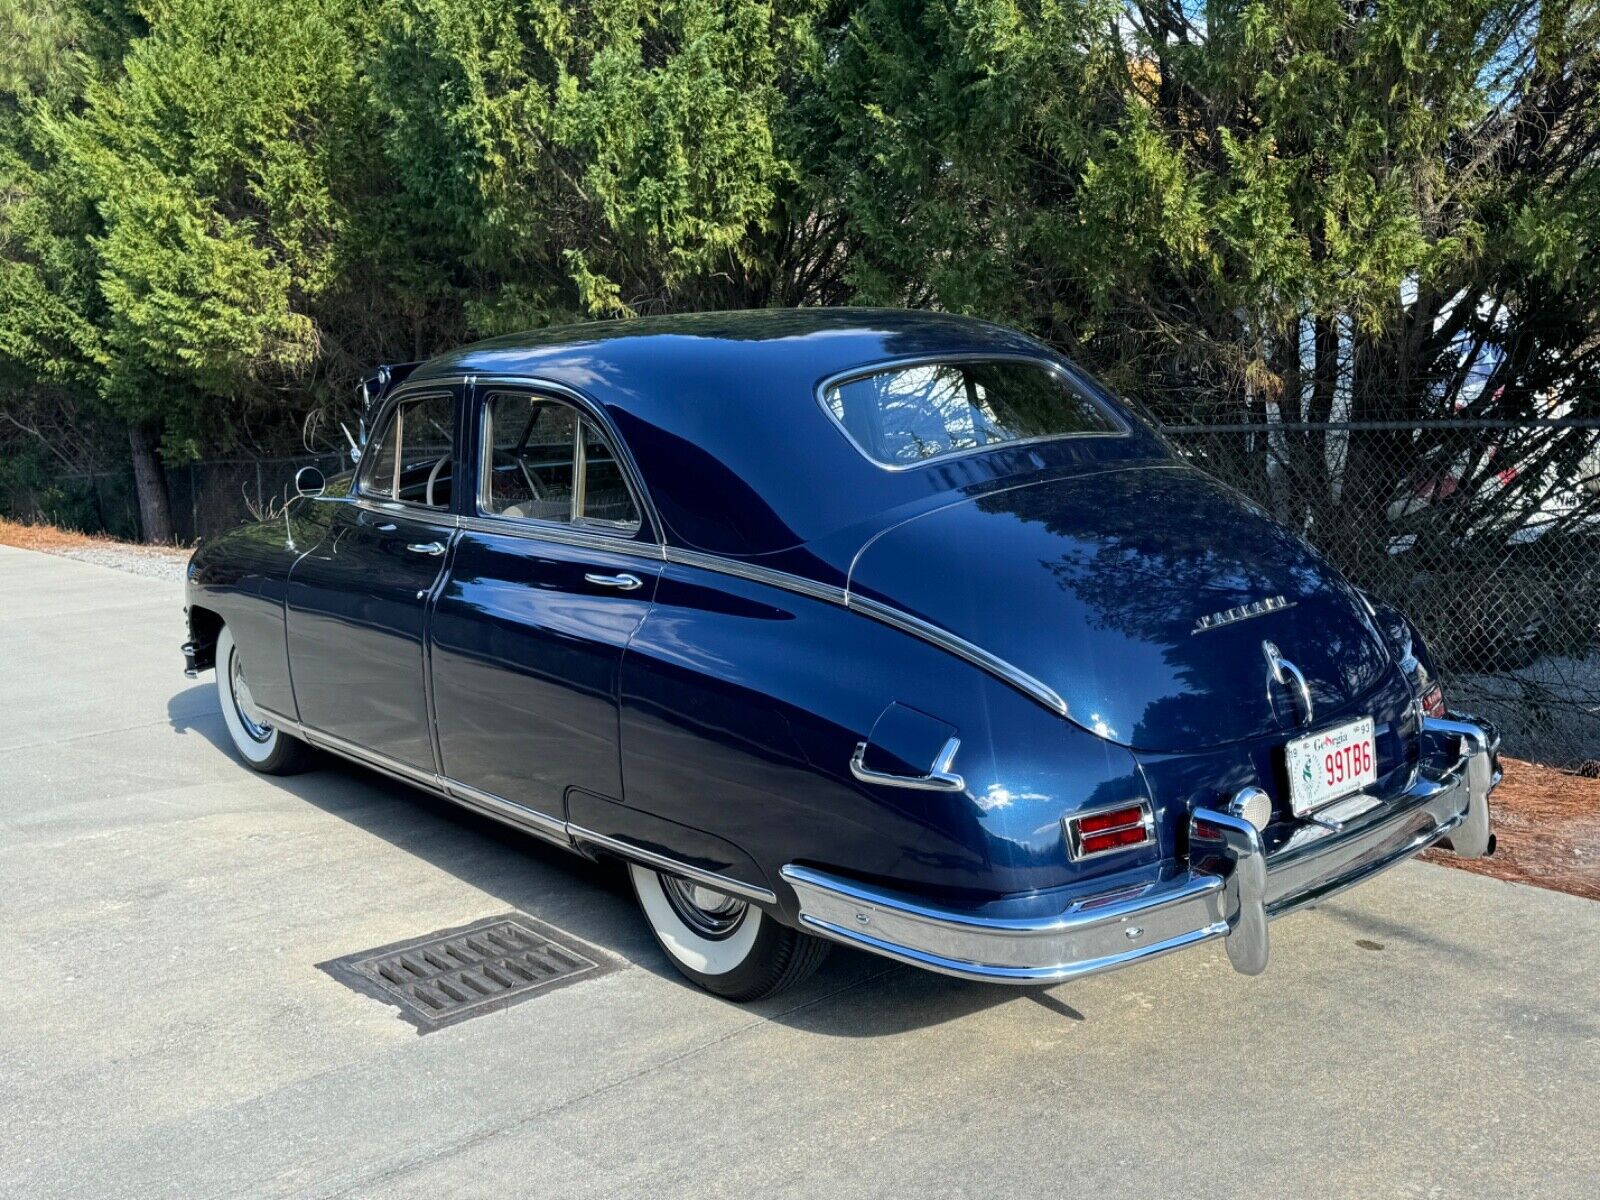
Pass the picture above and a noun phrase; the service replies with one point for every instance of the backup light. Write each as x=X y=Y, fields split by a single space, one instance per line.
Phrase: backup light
x=1109 y=829
x=1253 y=805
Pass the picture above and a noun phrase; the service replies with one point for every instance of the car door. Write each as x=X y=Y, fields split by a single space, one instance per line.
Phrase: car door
x=357 y=603
x=554 y=570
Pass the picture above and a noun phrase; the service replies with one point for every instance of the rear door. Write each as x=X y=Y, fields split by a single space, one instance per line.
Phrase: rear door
x=554 y=570
x=358 y=602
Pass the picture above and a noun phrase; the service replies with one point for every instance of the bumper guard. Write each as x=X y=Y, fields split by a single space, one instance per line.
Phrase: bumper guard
x=1231 y=887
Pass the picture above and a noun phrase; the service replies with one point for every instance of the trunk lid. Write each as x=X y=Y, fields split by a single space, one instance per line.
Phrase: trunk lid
x=1142 y=596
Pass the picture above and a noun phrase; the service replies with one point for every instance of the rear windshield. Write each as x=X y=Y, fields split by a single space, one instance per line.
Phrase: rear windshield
x=908 y=415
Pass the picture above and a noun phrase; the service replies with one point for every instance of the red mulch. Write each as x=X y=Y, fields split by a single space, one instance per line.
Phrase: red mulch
x=48 y=538
x=1548 y=826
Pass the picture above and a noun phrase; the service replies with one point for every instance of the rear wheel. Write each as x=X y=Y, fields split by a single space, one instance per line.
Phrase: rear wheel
x=263 y=746
x=726 y=945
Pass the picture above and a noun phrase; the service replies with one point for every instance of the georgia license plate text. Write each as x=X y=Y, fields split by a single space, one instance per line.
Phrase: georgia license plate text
x=1333 y=763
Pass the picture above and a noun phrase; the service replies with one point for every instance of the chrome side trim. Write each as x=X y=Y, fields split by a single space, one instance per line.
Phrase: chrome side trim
x=370 y=758
x=940 y=779
x=541 y=825
x=662 y=862
x=905 y=622
x=961 y=648
x=756 y=574
x=552 y=829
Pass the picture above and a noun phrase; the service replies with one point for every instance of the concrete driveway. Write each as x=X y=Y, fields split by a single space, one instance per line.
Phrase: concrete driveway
x=166 y=1031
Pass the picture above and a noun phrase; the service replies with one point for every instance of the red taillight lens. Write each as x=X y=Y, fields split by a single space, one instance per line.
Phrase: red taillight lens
x=1110 y=829
x=1095 y=843
x=1114 y=819
x=1433 y=701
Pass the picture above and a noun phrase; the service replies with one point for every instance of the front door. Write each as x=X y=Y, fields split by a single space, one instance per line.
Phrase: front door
x=358 y=602
x=550 y=579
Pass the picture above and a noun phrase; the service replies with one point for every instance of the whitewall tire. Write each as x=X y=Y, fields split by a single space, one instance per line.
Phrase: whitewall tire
x=724 y=944
x=263 y=746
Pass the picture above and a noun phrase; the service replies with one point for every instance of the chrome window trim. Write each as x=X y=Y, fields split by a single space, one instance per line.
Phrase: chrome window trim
x=612 y=530
x=400 y=508
x=1123 y=428
x=426 y=390
x=549 y=531
x=586 y=406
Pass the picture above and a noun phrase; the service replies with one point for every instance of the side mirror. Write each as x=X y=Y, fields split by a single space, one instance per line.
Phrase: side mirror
x=309 y=482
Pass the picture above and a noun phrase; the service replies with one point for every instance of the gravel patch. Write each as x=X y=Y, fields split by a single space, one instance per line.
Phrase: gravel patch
x=152 y=564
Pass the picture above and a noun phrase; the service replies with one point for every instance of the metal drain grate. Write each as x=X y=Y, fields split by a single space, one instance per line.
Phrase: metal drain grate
x=455 y=974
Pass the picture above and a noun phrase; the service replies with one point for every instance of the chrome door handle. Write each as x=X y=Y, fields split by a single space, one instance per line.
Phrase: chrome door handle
x=433 y=549
x=940 y=779
x=625 y=582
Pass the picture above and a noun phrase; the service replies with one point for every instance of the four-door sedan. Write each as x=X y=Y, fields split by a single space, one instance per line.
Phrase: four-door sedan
x=883 y=628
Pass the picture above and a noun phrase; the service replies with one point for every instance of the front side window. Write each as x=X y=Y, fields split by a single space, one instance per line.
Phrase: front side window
x=547 y=462
x=908 y=415
x=412 y=460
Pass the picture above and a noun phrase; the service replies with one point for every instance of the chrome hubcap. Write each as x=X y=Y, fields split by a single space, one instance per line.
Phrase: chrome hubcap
x=255 y=726
x=708 y=912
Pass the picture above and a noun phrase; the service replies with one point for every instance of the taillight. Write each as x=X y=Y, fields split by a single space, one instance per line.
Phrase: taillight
x=1109 y=829
x=1433 y=701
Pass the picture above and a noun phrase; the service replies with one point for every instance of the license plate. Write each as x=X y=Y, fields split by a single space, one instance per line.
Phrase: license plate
x=1330 y=765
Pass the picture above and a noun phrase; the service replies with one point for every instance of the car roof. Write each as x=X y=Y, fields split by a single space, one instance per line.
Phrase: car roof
x=719 y=412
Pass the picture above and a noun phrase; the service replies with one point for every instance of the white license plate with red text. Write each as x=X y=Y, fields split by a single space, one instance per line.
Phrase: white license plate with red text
x=1327 y=766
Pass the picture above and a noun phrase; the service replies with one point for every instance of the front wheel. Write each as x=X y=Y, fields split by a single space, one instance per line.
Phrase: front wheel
x=726 y=945
x=263 y=746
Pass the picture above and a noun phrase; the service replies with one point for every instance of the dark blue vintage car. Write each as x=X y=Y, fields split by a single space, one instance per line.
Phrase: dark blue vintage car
x=885 y=628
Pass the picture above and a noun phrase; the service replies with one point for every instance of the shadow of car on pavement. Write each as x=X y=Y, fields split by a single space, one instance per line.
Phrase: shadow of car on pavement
x=852 y=995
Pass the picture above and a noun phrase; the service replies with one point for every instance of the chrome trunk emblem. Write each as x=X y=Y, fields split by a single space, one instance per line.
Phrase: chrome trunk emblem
x=1243 y=612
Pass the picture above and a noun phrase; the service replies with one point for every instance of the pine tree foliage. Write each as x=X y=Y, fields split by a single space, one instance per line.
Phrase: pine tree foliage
x=216 y=214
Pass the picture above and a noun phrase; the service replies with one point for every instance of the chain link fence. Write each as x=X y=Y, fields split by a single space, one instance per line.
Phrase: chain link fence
x=1485 y=533
x=206 y=498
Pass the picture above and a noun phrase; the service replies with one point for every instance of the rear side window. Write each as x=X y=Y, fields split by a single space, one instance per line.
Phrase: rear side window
x=547 y=462
x=412 y=460
x=908 y=415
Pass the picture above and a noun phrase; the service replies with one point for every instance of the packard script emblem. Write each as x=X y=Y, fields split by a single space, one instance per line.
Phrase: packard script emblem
x=1232 y=616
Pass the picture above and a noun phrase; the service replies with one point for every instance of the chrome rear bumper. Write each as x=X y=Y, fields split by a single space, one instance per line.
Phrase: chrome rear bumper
x=1230 y=888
